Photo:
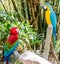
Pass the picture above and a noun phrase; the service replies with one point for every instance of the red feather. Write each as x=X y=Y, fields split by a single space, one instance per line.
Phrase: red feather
x=13 y=35
x=7 y=62
x=12 y=39
x=13 y=31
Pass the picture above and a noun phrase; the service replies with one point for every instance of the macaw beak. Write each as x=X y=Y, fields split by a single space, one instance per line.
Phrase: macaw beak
x=18 y=31
x=44 y=7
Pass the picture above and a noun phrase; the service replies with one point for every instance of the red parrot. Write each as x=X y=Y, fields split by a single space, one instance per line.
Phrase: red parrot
x=11 y=43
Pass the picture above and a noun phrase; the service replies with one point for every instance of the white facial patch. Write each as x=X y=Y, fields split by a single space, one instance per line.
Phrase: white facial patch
x=17 y=30
x=44 y=7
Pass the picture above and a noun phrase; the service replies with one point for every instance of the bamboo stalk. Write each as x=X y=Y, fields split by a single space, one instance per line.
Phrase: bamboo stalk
x=29 y=12
x=40 y=21
x=16 y=9
x=32 y=10
x=9 y=5
x=20 y=6
x=25 y=9
x=3 y=6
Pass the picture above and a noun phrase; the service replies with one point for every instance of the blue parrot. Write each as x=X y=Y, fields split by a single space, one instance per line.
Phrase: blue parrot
x=51 y=18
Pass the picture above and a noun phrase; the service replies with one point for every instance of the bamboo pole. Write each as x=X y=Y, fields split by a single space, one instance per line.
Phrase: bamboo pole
x=3 y=6
x=29 y=12
x=40 y=21
x=32 y=10
x=58 y=36
x=9 y=5
x=25 y=9
x=21 y=8
x=16 y=9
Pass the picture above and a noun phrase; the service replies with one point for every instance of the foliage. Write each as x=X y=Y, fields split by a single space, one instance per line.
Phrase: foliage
x=27 y=34
x=26 y=11
x=57 y=49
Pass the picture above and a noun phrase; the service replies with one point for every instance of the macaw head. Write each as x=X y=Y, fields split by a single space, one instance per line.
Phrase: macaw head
x=47 y=6
x=14 y=31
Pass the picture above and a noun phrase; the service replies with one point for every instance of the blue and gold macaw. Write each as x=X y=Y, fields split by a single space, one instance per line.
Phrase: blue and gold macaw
x=51 y=18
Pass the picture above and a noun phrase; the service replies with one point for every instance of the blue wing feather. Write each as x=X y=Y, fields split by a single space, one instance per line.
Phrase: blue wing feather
x=8 y=53
x=53 y=19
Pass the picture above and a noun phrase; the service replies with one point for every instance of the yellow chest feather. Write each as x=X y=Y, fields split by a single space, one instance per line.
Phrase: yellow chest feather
x=47 y=16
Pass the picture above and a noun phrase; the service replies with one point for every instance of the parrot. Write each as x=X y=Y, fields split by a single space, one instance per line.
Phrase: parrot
x=11 y=44
x=51 y=19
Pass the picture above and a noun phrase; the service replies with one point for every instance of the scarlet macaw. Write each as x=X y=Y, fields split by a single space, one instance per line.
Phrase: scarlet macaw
x=11 y=44
x=51 y=18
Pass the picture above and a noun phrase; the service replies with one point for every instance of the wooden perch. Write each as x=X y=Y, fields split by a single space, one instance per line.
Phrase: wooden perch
x=47 y=42
x=47 y=45
x=31 y=58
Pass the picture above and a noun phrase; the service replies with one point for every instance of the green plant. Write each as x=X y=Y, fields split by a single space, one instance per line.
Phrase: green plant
x=27 y=34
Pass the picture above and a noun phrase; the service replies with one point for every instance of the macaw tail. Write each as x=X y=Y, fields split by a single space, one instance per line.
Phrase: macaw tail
x=6 y=59
x=7 y=62
x=54 y=40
